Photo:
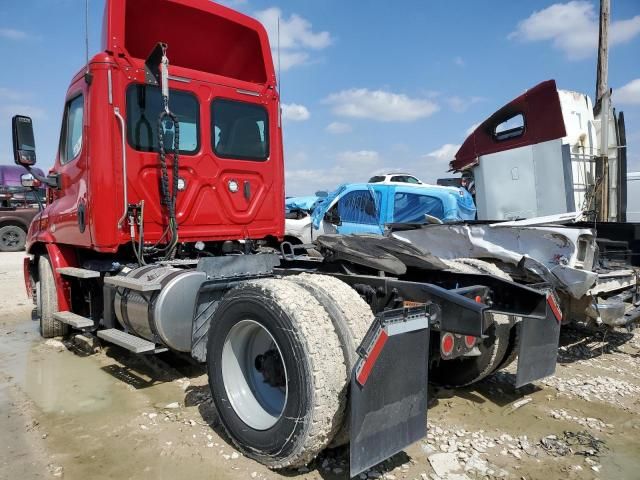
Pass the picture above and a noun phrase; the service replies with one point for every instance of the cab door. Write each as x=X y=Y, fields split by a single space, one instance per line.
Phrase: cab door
x=68 y=215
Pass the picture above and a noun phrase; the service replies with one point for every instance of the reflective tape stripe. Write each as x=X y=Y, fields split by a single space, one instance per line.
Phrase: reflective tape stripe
x=554 y=307
x=370 y=361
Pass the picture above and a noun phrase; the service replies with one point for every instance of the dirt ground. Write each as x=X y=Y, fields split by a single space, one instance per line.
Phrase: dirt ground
x=67 y=414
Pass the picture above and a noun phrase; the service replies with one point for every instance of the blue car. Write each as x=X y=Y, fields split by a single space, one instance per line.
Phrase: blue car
x=368 y=207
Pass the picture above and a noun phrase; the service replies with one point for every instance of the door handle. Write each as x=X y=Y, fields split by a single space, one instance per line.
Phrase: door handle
x=247 y=189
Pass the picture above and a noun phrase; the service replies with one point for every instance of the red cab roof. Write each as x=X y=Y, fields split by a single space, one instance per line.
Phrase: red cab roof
x=543 y=121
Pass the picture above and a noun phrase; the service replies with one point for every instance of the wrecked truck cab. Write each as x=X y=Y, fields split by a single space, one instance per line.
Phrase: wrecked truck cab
x=543 y=156
x=367 y=208
x=561 y=257
x=540 y=155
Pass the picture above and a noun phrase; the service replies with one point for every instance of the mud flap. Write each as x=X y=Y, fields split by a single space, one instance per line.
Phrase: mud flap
x=539 y=337
x=389 y=387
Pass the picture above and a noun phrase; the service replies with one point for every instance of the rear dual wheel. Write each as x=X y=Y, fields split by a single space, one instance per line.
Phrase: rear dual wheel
x=278 y=368
x=497 y=350
x=463 y=371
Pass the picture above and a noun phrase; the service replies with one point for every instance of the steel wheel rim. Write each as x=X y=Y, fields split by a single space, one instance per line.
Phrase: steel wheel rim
x=257 y=403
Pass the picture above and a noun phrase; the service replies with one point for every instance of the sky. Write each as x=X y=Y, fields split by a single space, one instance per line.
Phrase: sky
x=366 y=87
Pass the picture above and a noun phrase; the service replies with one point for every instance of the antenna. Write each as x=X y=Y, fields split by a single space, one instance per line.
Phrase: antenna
x=279 y=76
x=87 y=74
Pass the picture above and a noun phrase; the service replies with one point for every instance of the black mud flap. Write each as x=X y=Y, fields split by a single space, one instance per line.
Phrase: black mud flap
x=389 y=387
x=538 y=353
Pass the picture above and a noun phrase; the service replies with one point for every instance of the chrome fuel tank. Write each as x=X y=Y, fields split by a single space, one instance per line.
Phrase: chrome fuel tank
x=162 y=316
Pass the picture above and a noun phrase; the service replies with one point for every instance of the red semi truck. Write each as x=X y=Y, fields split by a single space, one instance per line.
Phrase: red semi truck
x=164 y=201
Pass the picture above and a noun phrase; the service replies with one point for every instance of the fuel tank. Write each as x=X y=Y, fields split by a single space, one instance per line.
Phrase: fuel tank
x=162 y=316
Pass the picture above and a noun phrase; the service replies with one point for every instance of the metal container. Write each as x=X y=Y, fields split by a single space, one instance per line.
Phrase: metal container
x=162 y=316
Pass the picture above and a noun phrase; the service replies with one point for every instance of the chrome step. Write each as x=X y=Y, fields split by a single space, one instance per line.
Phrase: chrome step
x=77 y=272
x=130 y=342
x=76 y=321
x=137 y=284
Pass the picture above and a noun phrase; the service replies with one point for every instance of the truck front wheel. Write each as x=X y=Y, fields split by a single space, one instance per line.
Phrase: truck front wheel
x=276 y=370
x=47 y=299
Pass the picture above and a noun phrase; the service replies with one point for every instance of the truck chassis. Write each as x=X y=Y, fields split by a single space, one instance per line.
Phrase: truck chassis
x=277 y=326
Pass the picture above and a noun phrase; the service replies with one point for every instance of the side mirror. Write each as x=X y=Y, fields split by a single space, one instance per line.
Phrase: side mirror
x=29 y=181
x=332 y=217
x=24 y=145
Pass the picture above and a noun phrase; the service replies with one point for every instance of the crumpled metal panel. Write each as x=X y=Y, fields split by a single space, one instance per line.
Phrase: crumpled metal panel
x=553 y=252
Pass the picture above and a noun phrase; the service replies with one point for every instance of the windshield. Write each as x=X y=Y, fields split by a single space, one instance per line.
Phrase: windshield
x=405 y=179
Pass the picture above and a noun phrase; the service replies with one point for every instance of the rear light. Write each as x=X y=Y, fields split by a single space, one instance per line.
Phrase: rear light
x=470 y=341
x=478 y=299
x=447 y=343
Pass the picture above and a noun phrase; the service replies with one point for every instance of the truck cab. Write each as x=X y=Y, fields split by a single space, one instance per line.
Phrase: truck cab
x=108 y=172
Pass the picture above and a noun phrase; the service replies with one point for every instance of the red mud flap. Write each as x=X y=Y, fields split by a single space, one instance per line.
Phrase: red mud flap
x=389 y=387
x=538 y=353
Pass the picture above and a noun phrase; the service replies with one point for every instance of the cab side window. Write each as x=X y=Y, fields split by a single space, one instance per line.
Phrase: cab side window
x=71 y=135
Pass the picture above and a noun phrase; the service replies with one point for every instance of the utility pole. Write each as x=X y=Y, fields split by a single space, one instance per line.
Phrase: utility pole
x=602 y=108
x=602 y=79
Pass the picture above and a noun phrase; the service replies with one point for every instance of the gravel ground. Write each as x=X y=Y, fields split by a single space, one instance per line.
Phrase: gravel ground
x=67 y=414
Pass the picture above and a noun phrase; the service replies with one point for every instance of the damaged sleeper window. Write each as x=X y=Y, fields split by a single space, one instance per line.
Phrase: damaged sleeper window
x=144 y=104
x=240 y=130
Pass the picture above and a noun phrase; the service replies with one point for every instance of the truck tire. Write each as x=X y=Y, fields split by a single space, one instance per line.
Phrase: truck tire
x=351 y=317
x=512 y=350
x=48 y=301
x=484 y=267
x=12 y=238
x=464 y=371
x=276 y=372
x=513 y=345
x=350 y=314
